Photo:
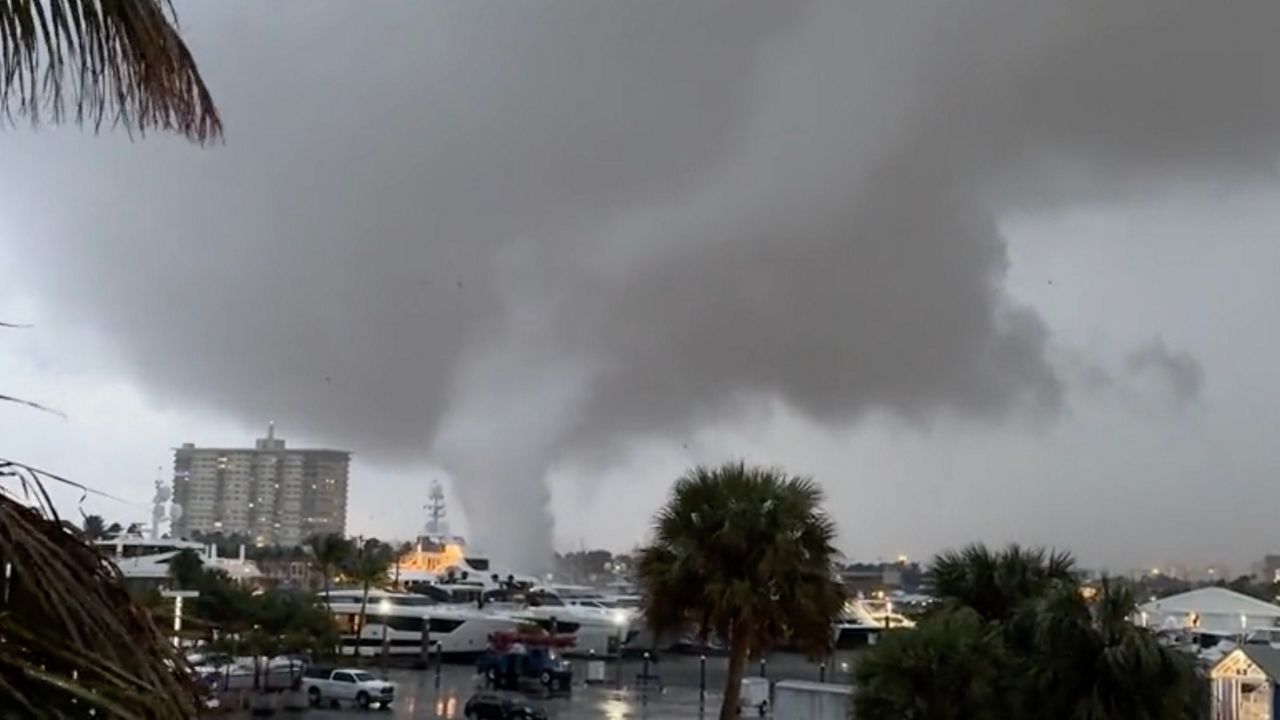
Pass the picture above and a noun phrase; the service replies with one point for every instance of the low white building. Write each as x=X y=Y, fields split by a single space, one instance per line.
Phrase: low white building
x=1211 y=609
x=1243 y=685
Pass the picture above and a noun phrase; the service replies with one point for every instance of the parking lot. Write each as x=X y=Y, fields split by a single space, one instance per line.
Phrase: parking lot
x=670 y=691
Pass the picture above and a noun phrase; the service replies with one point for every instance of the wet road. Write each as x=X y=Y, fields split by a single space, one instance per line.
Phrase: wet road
x=625 y=694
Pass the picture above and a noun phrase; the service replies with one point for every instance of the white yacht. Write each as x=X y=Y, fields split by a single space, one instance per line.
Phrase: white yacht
x=599 y=631
x=144 y=560
x=863 y=620
x=459 y=629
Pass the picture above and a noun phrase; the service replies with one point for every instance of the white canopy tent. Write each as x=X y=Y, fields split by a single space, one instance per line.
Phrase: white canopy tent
x=1214 y=609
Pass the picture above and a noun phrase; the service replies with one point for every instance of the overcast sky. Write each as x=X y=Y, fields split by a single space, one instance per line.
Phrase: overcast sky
x=986 y=269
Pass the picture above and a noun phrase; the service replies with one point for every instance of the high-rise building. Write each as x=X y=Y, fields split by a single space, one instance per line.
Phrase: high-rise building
x=271 y=494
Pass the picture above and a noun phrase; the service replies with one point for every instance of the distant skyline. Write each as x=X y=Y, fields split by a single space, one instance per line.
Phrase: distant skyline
x=983 y=270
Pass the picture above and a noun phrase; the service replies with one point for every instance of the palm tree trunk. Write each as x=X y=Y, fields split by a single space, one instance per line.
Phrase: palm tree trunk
x=364 y=604
x=737 y=666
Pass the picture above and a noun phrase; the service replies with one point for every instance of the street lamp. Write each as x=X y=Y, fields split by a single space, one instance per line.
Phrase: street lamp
x=178 y=596
x=385 y=608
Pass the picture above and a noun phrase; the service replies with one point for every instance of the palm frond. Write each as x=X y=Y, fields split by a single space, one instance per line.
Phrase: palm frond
x=94 y=643
x=31 y=404
x=32 y=475
x=116 y=61
x=998 y=583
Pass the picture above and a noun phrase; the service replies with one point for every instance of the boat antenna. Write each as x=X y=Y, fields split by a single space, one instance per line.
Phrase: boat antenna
x=436 y=523
x=162 y=497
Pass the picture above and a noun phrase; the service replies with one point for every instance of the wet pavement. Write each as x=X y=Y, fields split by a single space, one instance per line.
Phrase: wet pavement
x=672 y=690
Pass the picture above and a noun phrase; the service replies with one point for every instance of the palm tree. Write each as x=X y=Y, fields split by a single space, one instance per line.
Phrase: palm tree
x=1093 y=662
x=186 y=569
x=1015 y=637
x=369 y=569
x=402 y=550
x=746 y=553
x=329 y=552
x=996 y=583
x=95 y=528
x=949 y=668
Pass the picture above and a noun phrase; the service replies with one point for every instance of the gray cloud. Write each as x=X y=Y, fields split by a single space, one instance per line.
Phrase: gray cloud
x=1178 y=370
x=503 y=235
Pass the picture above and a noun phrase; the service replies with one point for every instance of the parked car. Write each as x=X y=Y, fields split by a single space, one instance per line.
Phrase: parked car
x=335 y=686
x=279 y=673
x=490 y=706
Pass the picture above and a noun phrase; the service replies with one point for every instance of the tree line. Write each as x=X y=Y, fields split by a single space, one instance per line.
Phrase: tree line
x=748 y=554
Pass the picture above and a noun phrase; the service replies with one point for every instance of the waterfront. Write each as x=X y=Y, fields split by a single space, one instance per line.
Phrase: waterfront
x=622 y=696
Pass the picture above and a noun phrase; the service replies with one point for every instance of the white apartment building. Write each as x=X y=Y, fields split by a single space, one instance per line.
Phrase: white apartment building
x=272 y=494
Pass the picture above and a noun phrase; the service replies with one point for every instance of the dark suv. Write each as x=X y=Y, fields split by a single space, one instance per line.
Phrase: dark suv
x=488 y=706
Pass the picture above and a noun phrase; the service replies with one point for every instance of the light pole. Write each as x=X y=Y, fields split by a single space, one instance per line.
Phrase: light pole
x=178 y=596
x=385 y=608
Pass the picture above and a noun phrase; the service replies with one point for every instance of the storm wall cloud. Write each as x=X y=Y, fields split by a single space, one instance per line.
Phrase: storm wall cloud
x=504 y=236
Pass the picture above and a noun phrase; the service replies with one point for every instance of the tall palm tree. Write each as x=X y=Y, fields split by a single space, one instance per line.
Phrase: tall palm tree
x=369 y=569
x=95 y=528
x=746 y=553
x=329 y=552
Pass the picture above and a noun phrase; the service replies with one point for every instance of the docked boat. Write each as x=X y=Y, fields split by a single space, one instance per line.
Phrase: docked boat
x=450 y=577
x=144 y=561
x=863 y=620
x=406 y=620
x=143 y=555
x=596 y=631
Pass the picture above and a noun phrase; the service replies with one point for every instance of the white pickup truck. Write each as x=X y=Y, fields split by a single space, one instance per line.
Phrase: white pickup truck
x=334 y=686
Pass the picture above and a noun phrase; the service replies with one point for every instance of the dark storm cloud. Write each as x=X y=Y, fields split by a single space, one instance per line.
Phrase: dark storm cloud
x=498 y=234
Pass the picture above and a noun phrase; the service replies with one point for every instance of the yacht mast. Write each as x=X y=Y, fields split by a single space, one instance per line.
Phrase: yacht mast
x=437 y=525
